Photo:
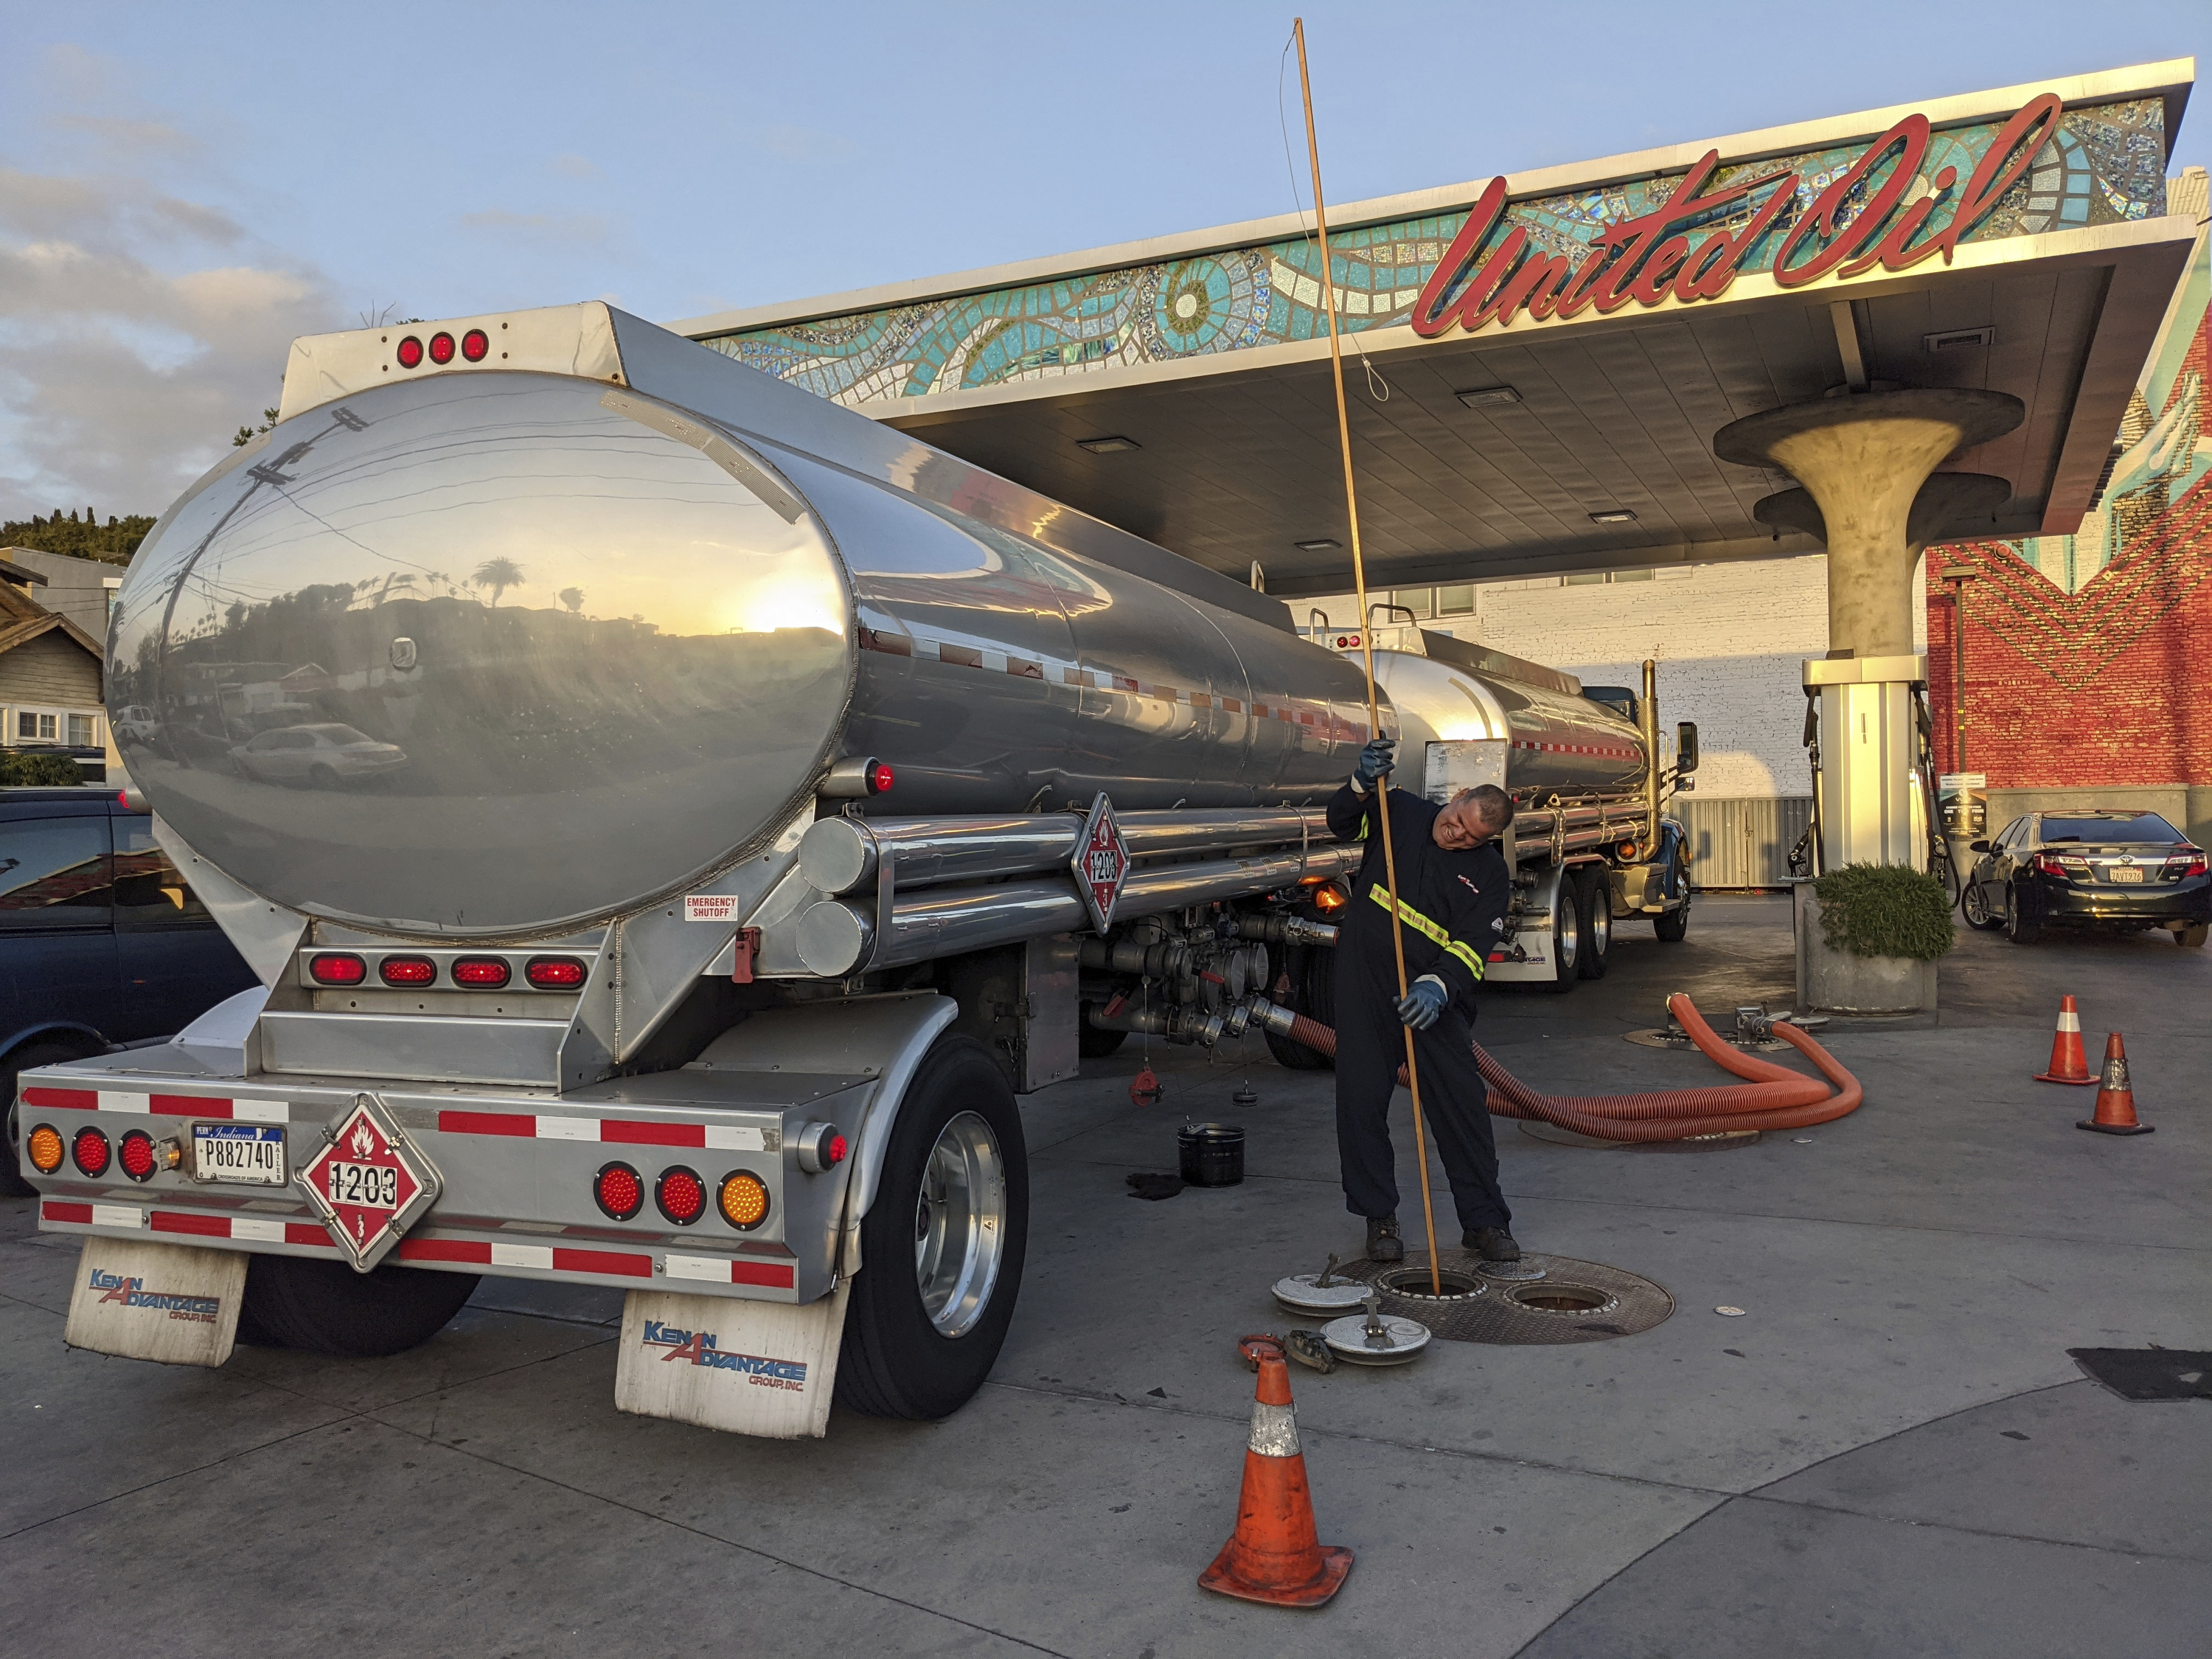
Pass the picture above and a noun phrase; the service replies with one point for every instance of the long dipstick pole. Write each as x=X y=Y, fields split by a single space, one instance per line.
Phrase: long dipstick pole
x=1367 y=647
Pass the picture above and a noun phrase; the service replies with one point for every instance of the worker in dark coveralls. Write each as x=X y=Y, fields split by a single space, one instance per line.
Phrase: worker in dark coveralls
x=1455 y=888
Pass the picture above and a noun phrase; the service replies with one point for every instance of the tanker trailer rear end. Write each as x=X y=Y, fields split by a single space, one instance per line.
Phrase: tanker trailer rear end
x=661 y=806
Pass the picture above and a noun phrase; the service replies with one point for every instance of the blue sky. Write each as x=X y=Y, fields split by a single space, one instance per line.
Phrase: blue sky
x=183 y=188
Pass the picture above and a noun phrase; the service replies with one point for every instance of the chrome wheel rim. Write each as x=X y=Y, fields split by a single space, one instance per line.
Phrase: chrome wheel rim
x=1567 y=930
x=1601 y=921
x=1975 y=904
x=960 y=1225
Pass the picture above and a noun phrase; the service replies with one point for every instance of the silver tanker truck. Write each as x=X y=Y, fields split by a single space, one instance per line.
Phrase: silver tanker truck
x=673 y=817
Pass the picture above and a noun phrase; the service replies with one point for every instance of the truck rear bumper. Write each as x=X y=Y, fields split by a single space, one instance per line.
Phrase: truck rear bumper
x=517 y=1168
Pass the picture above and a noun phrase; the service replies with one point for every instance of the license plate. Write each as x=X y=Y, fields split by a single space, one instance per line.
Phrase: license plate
x=251 y=1153
x=2124 y=873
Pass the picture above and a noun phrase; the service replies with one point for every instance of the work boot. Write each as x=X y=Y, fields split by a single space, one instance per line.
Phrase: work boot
x=1491 y=1243
x=1383 y=1243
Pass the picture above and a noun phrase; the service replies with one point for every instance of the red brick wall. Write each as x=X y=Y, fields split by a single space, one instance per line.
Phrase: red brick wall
x=2110 y=685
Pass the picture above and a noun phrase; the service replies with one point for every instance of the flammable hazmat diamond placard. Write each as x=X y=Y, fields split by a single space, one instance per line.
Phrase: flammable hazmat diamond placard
x=368 y=1182
x=1101 y=863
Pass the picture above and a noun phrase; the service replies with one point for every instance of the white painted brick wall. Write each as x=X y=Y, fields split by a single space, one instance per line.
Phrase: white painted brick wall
x=1730 y=640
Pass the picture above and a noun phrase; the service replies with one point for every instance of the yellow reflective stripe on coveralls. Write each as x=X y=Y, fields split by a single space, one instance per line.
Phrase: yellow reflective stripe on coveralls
x=1421 y=925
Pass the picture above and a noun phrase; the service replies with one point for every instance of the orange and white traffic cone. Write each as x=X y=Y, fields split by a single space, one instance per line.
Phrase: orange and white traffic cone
x=2116 y=1096
x=1274 y=1555
x=2070 y=1061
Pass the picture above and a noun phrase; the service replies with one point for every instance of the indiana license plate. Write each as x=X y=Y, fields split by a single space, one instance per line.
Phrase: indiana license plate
x=2124 y=873
x=251 y=1153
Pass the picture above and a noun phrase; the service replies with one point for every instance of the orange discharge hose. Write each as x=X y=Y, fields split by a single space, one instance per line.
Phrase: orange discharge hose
x=1774 y=1098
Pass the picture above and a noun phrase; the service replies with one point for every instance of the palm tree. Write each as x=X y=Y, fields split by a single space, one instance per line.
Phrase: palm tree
x=574 y=598
x=499 y=575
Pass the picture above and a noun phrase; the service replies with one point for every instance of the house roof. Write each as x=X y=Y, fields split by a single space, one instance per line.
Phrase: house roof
x=23 y=619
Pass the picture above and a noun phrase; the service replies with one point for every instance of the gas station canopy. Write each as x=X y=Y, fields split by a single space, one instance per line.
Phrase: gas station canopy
x=1548 y=356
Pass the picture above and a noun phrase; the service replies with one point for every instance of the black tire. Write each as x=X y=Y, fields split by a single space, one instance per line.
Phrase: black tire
x=28 y=1058
x=1974 y=907
x=1566 y=935
x=1312 y=971
x=895 y=1362
x=325 y=1307
x=1092 y=1043
x=2017 y=928
x=1596 y=901
x=1673 y=926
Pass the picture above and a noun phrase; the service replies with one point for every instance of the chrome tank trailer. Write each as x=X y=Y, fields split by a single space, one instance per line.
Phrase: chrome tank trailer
x=505 y=653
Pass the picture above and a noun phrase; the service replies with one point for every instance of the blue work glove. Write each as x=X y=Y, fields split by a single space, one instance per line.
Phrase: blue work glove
x=1423 y=1003
x=1374 y=762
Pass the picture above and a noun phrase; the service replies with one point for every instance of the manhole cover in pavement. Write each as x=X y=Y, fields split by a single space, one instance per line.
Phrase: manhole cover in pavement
x=1537 y=1129
x=1573 y=1302
x=1659 y=1037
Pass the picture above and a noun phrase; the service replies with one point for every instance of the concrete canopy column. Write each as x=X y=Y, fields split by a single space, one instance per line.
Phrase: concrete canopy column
x=1864 y=458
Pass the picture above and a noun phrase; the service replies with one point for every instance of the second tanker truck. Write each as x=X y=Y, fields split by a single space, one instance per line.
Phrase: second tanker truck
x=673 y=817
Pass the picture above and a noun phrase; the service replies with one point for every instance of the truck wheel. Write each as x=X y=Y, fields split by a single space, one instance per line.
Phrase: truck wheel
x=1092 y=1043
x=1566 y=933
x=28 y=1058
x=1672 y=924
x=325 y=1307
x=941 y=1248
x=1312 y=971
x=1596 y=905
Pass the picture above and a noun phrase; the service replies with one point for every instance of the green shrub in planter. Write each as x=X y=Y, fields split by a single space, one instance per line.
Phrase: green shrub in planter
x=1885 y=910
x=19 y=766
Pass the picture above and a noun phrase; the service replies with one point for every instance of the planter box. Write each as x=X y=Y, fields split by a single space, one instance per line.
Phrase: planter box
x=1832 y=982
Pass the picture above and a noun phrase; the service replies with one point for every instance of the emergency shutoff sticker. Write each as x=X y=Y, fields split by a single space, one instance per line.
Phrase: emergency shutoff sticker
x=710 y=906
x=1101 y=862
x=369 y=1184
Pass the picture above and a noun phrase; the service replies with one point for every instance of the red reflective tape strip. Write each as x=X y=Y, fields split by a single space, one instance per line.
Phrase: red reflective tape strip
x=75 y=1100
x=753 y=1272
x=306 y=1232
x=188 y=1105
x=634 y=1134
x=55 y=1209
x=621 y=1263
x=176 y=1221
x=487 y=1123
x=443 y=1249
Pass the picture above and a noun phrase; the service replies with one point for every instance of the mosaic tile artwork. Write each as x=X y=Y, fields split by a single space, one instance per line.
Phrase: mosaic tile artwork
x=2105 y=165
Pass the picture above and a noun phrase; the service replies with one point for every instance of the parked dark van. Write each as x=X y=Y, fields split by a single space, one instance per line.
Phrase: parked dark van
x=101 y=940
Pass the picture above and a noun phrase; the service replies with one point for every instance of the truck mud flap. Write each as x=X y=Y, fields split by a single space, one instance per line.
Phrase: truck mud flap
x=170 y=1303
x=758 y=1368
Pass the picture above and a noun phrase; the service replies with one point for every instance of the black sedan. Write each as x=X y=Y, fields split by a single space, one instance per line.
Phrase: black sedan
x=2119 y=871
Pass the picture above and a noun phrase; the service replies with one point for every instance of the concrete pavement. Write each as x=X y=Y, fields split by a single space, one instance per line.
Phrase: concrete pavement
x=1890 y=1453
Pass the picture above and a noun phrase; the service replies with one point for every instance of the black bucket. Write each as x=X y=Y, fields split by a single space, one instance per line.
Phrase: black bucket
x=1213 y=1154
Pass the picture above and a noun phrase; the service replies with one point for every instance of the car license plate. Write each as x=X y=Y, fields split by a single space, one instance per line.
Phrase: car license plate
x=251 y=1153
x=2124 y=873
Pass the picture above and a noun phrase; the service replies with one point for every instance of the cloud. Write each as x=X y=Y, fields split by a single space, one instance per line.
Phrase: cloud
x=579 y=229
x=121 y=379
x=574 y=167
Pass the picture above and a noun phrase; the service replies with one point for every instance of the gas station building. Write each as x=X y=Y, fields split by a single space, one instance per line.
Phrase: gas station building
x=1709 y=403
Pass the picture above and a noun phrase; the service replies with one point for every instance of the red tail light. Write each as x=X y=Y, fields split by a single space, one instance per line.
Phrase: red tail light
x=407 y=970
x=486 y=973
x=617 y=1191
x=410 y=353
x=137 y=1155
x=475 y=344
x=681 y=1195
x=2190 y=863
x=880 y=778
x=2061 y=864
x=441 y=347
x=89 y=1148
x=554 y=973
x=337 y=968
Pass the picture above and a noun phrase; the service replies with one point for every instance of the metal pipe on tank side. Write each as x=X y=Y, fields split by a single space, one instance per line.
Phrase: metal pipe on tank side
x=834 y=936
x=1650 y=713
x=841 y=854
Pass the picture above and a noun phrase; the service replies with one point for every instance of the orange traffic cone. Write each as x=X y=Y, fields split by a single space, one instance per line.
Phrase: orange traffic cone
x=2069 y=1062
x=2116 y=1097
x=1273 y=1556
